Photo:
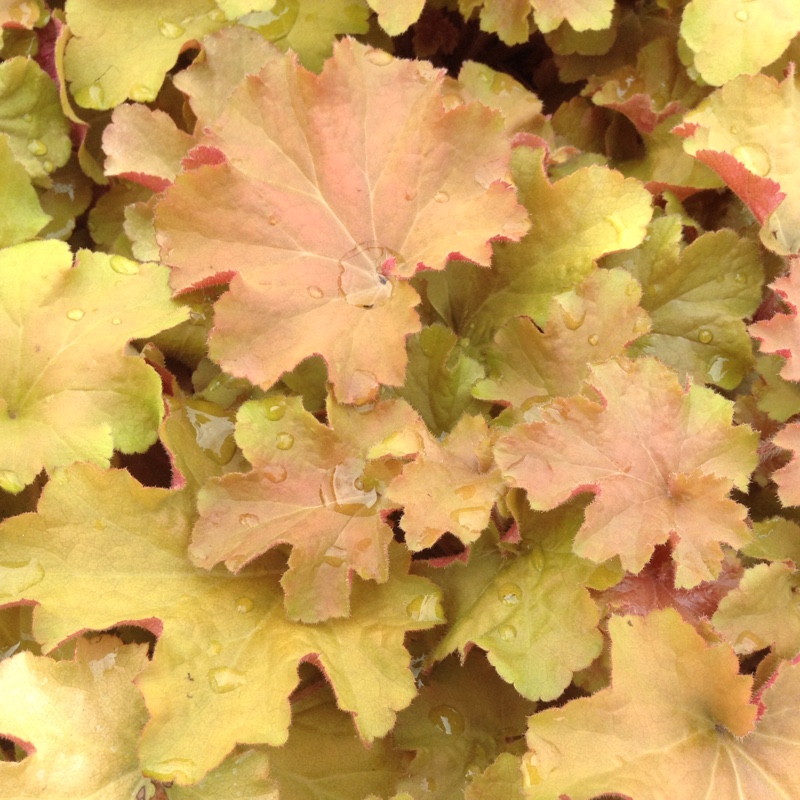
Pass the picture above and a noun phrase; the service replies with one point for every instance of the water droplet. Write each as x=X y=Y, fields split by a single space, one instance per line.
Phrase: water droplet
x=248 y=520
x=142 y=94
x=509 y=594
x=705 y=336
x=507 y=633
x=363 y=273
x=473 y=518
x=426 y=608
x=741 y=15
x=116 y=321
x=10 y=481
x=537 y=557
x=124 y=266
x=75 y=314
x=344 y=490
x=276 y=473
x=754 y=158
x=225 y=679
x=284 y=441
x=593 y=339
x=276 y=408
x=573 y=321
x=447 y=719
x=467 y=491
x=333 y=561
x=734 y=130
x=244 y=605
x=315 y=292
x=217 y=15
x=409 y=195
x=91 y=96
x=213 y=429
x=180 y=770
x=18 y=576
x=428 y=785
x=273 y=219
x=214 y=648
x=380 y=58
x=170 y=30
x=740 y=278
x=441 y=197
x=748 y=642
x=48 y=166
x=37 y=147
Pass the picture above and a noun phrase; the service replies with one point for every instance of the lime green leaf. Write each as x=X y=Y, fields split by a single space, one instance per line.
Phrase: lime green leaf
x=531 y=613
x=455 y=731
x=762 y=611
x=669 y=725
x=397 y=16
x=325 y=759
x=775 y=395
x=22 y=216
x=450 y=486
x=31 y=117
x=661 y=460
x=696 y=298
x=83 y=718
x=119 y=52
x=507 y=18
x=311 y=488
x=735 y=38
x=345 y=226
x=69 y=392
x=587 y=325
x=575 y=221
x=244 y=776
x=25 y=14
x=745 y=133
x=226 y=660
x=501 y=781
x=776 y=539
x=439 y=378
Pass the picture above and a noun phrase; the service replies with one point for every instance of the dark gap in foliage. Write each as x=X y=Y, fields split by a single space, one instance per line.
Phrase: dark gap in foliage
x=446 y=546
x=748 y=664
x=151 y=468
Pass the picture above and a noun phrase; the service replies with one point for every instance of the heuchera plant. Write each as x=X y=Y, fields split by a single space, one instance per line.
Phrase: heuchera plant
x=400 y=400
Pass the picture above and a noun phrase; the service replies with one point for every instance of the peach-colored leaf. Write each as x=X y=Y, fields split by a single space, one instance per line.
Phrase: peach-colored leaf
x=660 y=459
x=788 y=477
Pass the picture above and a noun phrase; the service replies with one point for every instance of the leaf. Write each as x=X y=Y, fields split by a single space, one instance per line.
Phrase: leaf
x=397 y=16
x=456 y=732
x=450 y=486
x=775 y=396
x=696 y=298
x=574 y=221
x=581 y=15
x=731 y=39
x=330 y=267
x=762 y=611
x=324 y=758
x=31 y=117
x=226 y=659
x=660 y=460
x=781 y=333
x=502 y=780
x=117 y=53
x=531 y=613
x=23 y=216
x=658 y=732
x=507 y=18
x=776 y=539
x=440 y=377
x=745 y=132
x=80 y=719
x=69 y=391
x=244 y=775
x=589 y=324
x=788 y=477
x=310 y=488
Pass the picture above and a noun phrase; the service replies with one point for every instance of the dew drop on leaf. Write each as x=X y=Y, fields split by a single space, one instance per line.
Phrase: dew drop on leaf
x=284 y=441
x=509 y=594
x=244 y=605
x=273 y=219
x=169 y=30
x=343 y=490
x=333 y=561
x=213 y=428
x=124 y=266
x=441 y=197
x=426 y=608
x=91 y=96
x=116 y=321
x=276 y=409
x=473 y=518
x=276 y=473
x=507 y=633
x=380 y=58
x=37 y=147
x=10 y=481
x=18 y=576
x=248 y=520
x=537 y=557
x=467 y=491
x=428 y=785
x=593 y=339
x=315 y=292
x=705 y=336
x=214 y=648
x=225 y=679
x=48 y=166
x=447 y=719
x=740 y=278
x=573 y=322
x=748 y=642
x=741 y=15
x=754 y=158
x=410 y=195
x=217 y=15
x=75 y=314
x=362 y=281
